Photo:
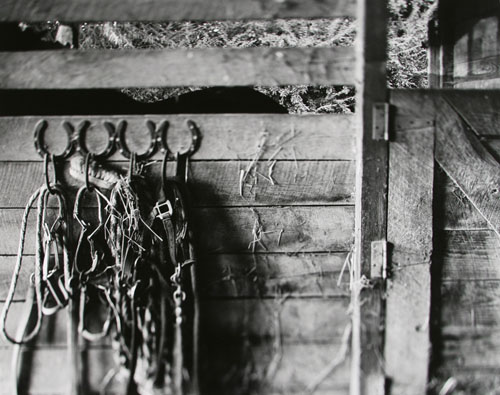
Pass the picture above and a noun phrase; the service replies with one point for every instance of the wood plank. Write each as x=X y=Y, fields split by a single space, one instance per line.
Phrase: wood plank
x=240 y=276
x=477 y=382
x=41 y=377
x=161 y=11
x=458 y=151
x=453 y=209
x=228 y=374
x=231 y=136
x=471 y=303
x=409 y=230
x=471 y=349
x=309 y=320
x=230 y=230
x=478 y=108
x=367 y=376
x=272 y=275
x=212 y=183
x=246 y=366
x=464 y=158
x=84 y=69
x=470 y=255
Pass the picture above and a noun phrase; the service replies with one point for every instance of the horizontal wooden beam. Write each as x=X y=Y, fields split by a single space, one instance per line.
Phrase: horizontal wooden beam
x=302 y=320
x=211 y=183
x=470 y=255
x=230 y=230
x=172 y=10
x=81 y=69
x=234 y=136
x=299 y=366
x=223 y=276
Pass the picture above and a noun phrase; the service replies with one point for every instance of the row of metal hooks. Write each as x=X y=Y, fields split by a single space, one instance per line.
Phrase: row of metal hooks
x=116 y=140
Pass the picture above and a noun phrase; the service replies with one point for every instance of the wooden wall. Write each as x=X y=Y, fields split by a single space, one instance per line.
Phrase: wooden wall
x=464 y=317
x=466 y=277
x=465 y=48
x=272 y=320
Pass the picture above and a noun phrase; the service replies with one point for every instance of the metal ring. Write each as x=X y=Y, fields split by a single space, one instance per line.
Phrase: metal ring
x=108 y=150
x=124 y=150
x=40 y=146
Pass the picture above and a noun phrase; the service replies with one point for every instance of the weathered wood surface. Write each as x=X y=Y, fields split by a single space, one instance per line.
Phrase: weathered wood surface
x=271 y=275
x=240 y=276
x=409 y=230
x=454 y=210
x=464 y=158
x=229 y=230
x=459 y=150
x=76 y=69
x=173 y=10
x=301 y=320
x=214 y=183
x=225 y=137
x=478 y=108
x=471 y=303
x=299 y=365
x=471 y=255
x=367 y=376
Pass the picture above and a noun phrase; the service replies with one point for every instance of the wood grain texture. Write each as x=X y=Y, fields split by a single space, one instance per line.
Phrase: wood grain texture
x=464 y=158
x=212 y=183
x=367 y=377
x=173 y=10
x=271 y=275
x=240 y=276
x=235 y=137
x=302 y=320
x=83 y=69
x=478 y=108
x=470 y=255
x=455 y=211
x=409 y=230
x=471 y=303
x=299 y=365
x=459 y=150
x=468 y=347
x=229 y=230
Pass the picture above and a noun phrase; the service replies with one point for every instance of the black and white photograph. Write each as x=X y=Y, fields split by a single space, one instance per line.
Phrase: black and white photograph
x=249 y=197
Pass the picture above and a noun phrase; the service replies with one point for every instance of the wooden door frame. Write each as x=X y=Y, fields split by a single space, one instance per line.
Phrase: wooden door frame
x=452 y=129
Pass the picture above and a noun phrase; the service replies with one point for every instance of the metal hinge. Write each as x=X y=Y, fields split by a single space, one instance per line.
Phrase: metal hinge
x=379 y=260
x=380 y=121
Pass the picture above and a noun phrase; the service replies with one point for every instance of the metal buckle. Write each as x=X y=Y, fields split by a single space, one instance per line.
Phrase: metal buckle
x=159 y=207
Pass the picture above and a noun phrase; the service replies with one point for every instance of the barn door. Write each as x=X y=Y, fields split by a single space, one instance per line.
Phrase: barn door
x=410 y=237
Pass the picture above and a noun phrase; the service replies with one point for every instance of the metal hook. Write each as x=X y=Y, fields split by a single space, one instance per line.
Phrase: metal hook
x=110 y=147
x=77 y=213
x=47 y=158
x=125 y=151
x=40 y=145
x=88 y=157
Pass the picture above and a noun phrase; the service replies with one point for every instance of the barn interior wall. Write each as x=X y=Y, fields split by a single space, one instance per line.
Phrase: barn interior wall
x=272 y=320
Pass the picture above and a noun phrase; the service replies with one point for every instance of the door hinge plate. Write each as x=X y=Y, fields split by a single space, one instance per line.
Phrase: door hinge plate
x=380 y=126
x=378 y=269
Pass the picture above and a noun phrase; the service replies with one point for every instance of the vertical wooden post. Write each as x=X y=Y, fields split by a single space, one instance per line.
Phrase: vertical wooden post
x=367 y=375
x=409 y=230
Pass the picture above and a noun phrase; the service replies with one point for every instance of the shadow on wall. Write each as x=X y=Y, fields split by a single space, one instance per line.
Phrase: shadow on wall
x=107 y=102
